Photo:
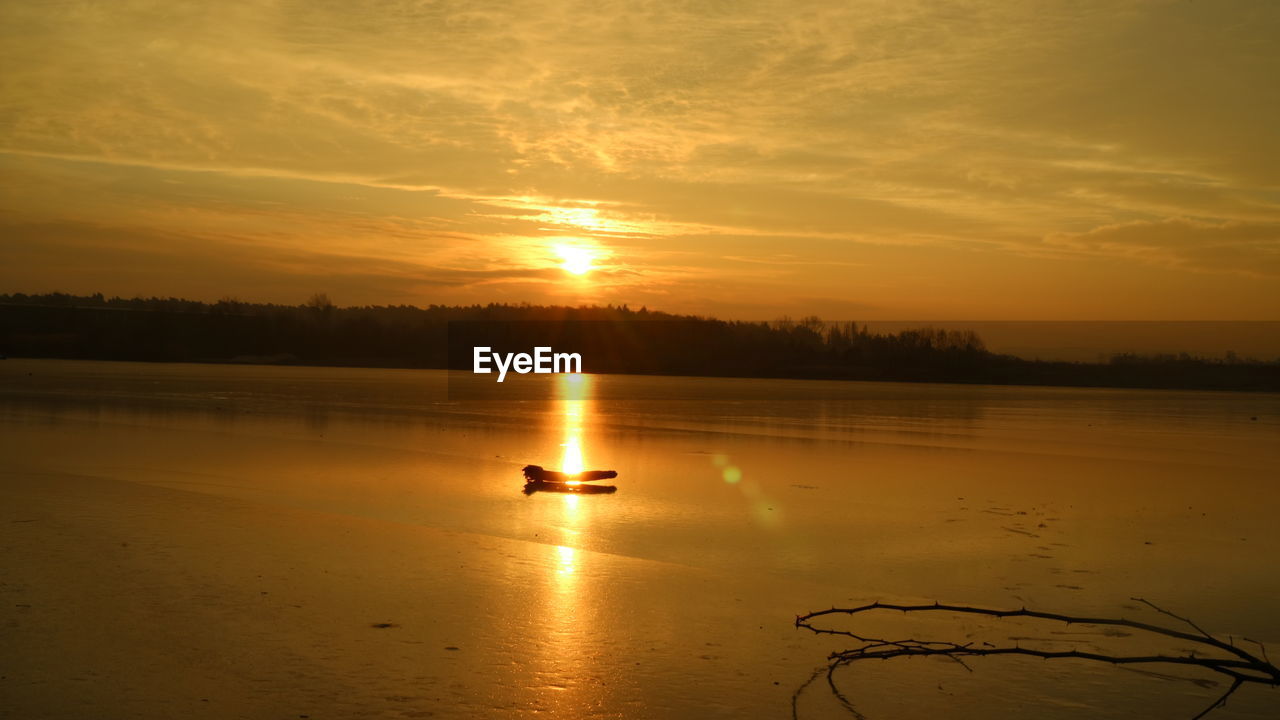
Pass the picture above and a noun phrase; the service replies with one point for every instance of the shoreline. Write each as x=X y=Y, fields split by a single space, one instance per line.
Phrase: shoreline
x=1271 y=389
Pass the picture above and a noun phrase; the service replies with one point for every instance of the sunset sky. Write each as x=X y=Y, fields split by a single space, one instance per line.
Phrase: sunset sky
x=858 y=160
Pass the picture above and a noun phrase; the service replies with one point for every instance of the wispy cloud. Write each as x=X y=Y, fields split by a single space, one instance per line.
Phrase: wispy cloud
x=1249 y=249
x=890 y=147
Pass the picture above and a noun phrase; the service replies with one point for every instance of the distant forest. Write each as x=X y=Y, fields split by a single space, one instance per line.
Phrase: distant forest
x=611 y=339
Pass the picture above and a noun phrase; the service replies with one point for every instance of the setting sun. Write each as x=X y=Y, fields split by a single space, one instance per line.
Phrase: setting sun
x=574 y=260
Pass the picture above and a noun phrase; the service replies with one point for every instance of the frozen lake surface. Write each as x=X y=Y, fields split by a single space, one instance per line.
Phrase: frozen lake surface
x=221 y=541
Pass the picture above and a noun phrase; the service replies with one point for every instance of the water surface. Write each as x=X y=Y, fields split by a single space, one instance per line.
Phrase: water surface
x=741 y=503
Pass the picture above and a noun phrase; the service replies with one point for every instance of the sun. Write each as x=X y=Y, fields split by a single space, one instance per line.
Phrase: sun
x=575 y=260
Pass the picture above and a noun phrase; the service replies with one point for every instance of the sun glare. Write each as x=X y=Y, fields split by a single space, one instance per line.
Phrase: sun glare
x=574 y=260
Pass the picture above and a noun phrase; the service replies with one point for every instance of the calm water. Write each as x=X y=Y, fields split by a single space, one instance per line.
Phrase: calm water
x=741 y=503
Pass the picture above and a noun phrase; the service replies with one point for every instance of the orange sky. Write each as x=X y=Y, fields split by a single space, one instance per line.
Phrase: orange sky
x=857 y=160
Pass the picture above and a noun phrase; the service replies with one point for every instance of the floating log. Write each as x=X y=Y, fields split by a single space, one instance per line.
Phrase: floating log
x=534 y=486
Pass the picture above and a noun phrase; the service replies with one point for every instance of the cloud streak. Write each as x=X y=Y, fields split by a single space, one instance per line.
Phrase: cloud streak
x=1250 y=249
x=900 y=150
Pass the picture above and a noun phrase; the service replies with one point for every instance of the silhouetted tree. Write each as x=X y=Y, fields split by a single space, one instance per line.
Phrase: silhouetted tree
x=612 y=339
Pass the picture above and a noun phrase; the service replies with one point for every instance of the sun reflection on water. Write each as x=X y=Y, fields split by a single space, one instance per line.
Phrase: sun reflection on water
x=572 y=390
x=572 y=412
x=564 y=645
x=568 y=560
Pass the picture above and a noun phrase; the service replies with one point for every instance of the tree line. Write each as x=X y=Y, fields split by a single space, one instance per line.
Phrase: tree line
x=610 y=338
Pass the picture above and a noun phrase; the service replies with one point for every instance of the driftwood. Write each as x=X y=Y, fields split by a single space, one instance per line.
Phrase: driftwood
x=1230 y=660
x=536 y=473
x=534 y=486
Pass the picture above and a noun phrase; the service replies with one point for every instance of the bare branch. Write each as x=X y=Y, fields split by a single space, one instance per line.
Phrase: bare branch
x=1261 y=648
x=1239 y=665
x=1221 y=701
x=844 y=701
x=795 y=696
x=1162 y=611
x=1247 y=661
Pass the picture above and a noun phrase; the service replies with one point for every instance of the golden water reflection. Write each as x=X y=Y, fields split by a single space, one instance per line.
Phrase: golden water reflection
x=573 y=391
x=568 y=561
x=565 y=636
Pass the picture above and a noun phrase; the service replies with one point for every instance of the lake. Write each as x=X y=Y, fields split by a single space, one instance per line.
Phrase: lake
x=260 y=541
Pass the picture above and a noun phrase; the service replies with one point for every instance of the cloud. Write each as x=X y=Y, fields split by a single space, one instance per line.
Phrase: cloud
x=1234 y=247
x=66 y=254
x=461 y=136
